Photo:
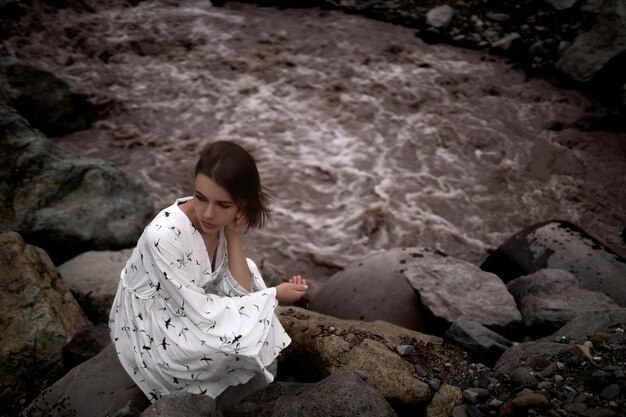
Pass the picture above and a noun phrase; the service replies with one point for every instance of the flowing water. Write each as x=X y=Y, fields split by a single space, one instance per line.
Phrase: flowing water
x=367 y=137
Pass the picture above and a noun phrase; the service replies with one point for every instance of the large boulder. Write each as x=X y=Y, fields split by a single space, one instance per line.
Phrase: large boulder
x=323 y=345
x=550 y=298
x=450 y=288
x=561 y=245
x=417 y=288
x=587 y=325
x=99 y=387
x=93 y=278
x=46 y=101
x=38 y=319
x=373 y=289
x=604 y=45
x=342 y=394
x=63 y=203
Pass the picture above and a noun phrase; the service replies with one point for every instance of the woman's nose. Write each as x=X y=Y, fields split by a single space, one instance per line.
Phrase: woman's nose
x=209 y=211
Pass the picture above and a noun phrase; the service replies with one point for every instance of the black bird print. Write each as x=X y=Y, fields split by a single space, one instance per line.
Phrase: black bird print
x=202 y=391
x=168 y=323
x=206 y=359
x=156 y=245
x=167 y=213
x=176 y=381
x=154 y=396
x=164 y=344
x=241 y=311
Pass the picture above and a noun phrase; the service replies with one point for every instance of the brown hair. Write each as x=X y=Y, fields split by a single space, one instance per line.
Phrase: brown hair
x=234 y=169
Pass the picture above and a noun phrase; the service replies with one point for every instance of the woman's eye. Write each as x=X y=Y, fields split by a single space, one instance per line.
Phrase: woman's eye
x=225 y=206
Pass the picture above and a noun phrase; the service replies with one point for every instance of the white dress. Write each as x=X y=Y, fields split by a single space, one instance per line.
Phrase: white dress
x=177 y=324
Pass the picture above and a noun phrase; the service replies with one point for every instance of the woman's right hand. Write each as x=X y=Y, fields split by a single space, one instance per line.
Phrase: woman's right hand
x=291 y=291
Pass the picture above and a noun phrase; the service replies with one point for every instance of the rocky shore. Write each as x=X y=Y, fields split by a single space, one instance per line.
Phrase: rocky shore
x=538 y=330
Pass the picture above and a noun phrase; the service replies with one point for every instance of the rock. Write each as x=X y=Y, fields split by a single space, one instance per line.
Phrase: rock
x=561 y=245
x=450 y=288
x=505 y=42
x=93 y=278
x=587 y=325
x=523 y=354
x=373 y=289
x=46 y=101
x=527 y=398
x=550 y=298
x=593 y=52
x=483 y=344
x=447 y=288
x=341 y=394
x=63 y=203
x=562 y=4
x=523 y=376
x=87 y=343
x=444 y=401
x=611 y=391
x=183 y=404
x=312 y=358
x=39 y=318
x=97 y=387
x=474 y=395
x=440 y=16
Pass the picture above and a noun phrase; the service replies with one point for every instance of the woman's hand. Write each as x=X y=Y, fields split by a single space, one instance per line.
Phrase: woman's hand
x=291 y=291
x=237 y=226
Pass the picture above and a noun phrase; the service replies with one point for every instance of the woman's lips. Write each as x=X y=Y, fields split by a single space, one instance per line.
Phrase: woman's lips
x=207 y=225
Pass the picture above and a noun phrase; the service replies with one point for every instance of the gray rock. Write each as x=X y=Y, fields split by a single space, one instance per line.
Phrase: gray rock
x=561 y=245
x=97 y=387
x=610 y=392
x=63 y=203
x=373 y=289
x=474 y=395
x=524 y=354
x=593 y=51
x=404 y=350
x=450 y=288
x=183 y=405
x=483 y=344
x=46 y=101
x=440 y=16
x=586 y=325
x=39 y=318
x=384 y=286
x=341 y=394
x=523 y=376
x=505 y=42
x=562 y=4
x=87 y=343
x=93 y=278
x=550 y=298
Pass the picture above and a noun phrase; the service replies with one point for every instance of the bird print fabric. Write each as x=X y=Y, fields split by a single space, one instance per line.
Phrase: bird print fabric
x=180 y=325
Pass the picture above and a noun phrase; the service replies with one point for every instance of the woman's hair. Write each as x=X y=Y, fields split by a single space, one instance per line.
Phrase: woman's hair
x=234 y=169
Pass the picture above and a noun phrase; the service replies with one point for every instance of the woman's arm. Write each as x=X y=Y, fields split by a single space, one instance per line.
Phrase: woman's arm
x=237 y=263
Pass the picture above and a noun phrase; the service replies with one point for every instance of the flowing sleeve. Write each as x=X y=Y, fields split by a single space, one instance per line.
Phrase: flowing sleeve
x=237 y=324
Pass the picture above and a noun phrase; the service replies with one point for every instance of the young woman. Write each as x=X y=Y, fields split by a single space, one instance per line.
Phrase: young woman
x=191 y=312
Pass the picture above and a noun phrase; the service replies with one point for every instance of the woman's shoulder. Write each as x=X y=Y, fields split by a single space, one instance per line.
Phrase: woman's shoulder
x=170 y=224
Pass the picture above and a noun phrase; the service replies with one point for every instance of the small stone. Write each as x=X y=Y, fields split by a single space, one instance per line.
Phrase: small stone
x=558 y=378
x=459 y=411
x=332 y=329
x=474 y=395
x=350 y=337
x=610 y=392
x=345 y=347
x=361 y=374
x=404 y=350
x=483 y=382
x=440 y=17
x=495 y=403
x=527 y=398
x=435 y=384
x=420 y=370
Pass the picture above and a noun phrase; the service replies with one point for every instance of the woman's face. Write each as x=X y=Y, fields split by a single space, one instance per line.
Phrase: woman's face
x=213 y=206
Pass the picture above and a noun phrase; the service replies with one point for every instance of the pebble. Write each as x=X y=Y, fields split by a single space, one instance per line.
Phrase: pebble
x=350 y=337
x=610 y=392
x=527 y=398
x=420 y=370
x=495 y=403
x=361 y=374
x=435 y=384
x=404 y=350
x=474 y=395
